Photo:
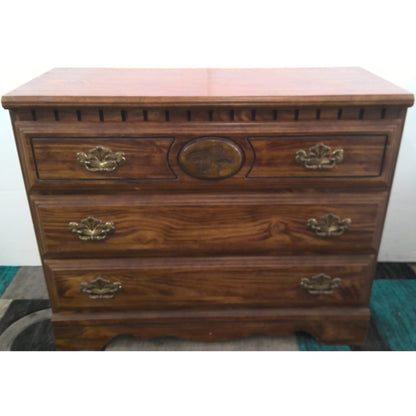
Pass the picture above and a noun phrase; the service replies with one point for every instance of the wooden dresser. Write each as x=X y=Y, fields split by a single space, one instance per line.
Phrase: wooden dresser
x=208 y=203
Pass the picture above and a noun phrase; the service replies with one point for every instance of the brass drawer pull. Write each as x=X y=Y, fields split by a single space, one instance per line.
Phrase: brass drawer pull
x=319 y=157
x=329 y=225
x=321 y=284
x=101 y=159
x=101 y=288
x=91 y=228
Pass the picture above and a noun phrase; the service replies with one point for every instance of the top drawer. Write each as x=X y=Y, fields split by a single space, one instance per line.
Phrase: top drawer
x=314 y=157
x=102 y=158
x=209 y=158
x=213 y=162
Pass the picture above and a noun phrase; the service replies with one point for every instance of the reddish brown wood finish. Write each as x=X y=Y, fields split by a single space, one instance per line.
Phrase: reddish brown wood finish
x=147 y=175
x=175 y=225
x=211 y=158
x=201 y=283
x=92 y=86
x=145 y=158
x=93 y=331
x=180 y=214
x=275 y=156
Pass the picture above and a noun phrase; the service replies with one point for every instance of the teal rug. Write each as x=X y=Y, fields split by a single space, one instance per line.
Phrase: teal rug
x=6 y=275
x=393 y=324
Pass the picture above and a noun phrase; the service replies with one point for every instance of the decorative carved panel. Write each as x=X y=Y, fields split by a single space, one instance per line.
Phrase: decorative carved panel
x=211 y=158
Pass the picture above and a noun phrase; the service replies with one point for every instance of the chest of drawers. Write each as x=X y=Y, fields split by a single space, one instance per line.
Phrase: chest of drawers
x=208 y=204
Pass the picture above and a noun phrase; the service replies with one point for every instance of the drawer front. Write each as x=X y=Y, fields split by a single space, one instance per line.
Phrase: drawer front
x=102 y=226
x=203 y=283
x=100 y=159
x=313 y=157
x=207 y=163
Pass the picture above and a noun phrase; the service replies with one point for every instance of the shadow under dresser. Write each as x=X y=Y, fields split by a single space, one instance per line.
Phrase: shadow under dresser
x=208 y=204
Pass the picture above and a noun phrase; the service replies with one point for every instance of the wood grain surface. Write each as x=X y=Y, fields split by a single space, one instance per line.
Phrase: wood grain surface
x=201 y=283
x=370 y=150
x=207 y=244
x=92 y=331
x=211 y=158
x=349 y=85
x=275 y=156
x=146 y=158
x=193 y=226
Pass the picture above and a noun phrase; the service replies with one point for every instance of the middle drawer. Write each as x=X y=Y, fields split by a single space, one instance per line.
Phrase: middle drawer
x=175 y=225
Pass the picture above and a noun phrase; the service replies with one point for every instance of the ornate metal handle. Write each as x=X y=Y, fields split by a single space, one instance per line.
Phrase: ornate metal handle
x=321 y=284
x=101 y=288
x=91 y=228
x=329 y=225
x=101 y=159
x=319 y=157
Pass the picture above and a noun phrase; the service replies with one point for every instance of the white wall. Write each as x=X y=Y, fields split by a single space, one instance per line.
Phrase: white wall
x=39 y=35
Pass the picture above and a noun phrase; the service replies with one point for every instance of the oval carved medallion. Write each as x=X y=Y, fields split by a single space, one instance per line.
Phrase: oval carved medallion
x=211 y=158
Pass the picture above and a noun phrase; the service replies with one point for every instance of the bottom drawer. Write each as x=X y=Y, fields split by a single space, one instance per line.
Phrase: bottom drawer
x=203 y=283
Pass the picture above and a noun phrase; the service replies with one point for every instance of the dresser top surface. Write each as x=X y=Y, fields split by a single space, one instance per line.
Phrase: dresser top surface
x=110 y=86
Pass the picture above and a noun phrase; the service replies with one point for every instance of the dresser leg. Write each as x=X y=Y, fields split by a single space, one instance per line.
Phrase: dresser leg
x=72 y=339
x=341 y=333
